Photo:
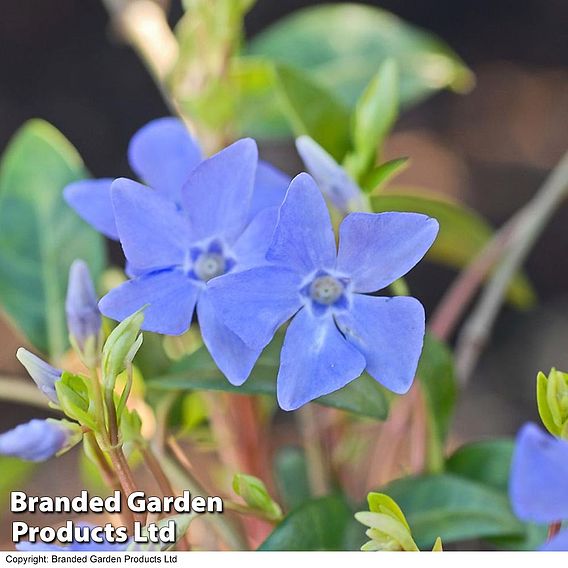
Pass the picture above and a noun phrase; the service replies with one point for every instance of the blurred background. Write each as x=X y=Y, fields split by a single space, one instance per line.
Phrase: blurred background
x=492 y=148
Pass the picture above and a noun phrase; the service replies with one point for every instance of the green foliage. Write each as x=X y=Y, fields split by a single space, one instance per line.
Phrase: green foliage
x=76 y=401
x=453 y=508
x=313 y=110
x=256 y=496
x=320 y=524
x=364 y=396
x=342 y=45
x=291 y=473
x=40 y=235
x=437 y=378
x=373 y=118
x=15 y=474
x=378 y=176
x=486 y=462
x=463 y=233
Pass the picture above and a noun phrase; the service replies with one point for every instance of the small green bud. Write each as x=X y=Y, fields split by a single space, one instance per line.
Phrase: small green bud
x=121 y=347
x=256 y=496
x=552 y=400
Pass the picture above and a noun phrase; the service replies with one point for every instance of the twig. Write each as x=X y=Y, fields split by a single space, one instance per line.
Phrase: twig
x=533 y=218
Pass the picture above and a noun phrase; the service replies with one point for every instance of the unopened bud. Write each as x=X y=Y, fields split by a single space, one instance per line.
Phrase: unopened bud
x=552 y=399
x=44 y=375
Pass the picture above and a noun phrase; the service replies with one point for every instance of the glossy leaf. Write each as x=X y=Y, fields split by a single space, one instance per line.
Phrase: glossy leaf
x=437 y=378
x=342 y=46
x=320 y=524
x=463 y=233
x=452 y=508
x=364 y=396
x=40 y=235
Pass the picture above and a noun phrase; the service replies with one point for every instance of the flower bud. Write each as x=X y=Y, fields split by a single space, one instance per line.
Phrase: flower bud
x=83 y=315
x=256 y=496
x=39 y=440
x=333 y=181
x=552 y=399
x=44 y=375
x=121 y=347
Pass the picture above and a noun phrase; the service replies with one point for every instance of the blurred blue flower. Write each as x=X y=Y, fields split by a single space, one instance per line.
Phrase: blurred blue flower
x=538 y=486
x=37 y=440
x=175 y=252
x=163 y=154
x=332 y=179
x=337 y=330
x=44 y=375
x=81 y=307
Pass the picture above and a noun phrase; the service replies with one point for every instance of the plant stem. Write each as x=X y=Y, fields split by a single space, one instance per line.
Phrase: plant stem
x=317 y=464
x=531 y=221
x=182 y=476
x=21 y=392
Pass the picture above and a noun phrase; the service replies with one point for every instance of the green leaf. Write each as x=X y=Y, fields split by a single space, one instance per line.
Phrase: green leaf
x=373 y=118
x=486 y=462
x=364 y=396
x=40 y=235
x=380 y=175
x=342 y=46
x=292 y=476
x=15 y=474
x=313 y=110
x=463 y=233
x=436 y=375
x=320 y=524
x=75 y=399
x=453 y=508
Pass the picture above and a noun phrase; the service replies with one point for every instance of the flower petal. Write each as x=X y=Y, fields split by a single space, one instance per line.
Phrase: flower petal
x=315 y=360
x=90 y=198
x=331 y=178
x=270 y=186
x=256 y=302
x=390 y=333
x=232 y=356
x=153 y=233
x=218 y=193
x=377 y=248
x=559 y=543
x=538 y=485
x=171 y=296
x=303 y=239
x=250 y=248
x=36 y=440
x=163 y=154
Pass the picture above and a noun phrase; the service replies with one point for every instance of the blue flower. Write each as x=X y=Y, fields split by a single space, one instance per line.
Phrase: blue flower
x=337 y=330
x=175 y=252
x=334 y=182
x=37 y=440
x=538 y=486
x=81 y=307
x=163 y=154
x=44 y=375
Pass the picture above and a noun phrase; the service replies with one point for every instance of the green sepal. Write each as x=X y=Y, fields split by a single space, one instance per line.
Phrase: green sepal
x=75 y=399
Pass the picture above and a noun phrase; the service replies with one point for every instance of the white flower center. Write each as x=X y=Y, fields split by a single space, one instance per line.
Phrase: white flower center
x=209 y=265
x=326 y=290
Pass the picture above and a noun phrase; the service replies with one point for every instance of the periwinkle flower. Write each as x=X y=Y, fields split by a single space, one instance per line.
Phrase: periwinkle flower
x=538 y=486
x=335 y=183
x=163 y=154
x=81 y=307
x=176 y=252
x=338 y=330
x=36 y=440
x=44 y=375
